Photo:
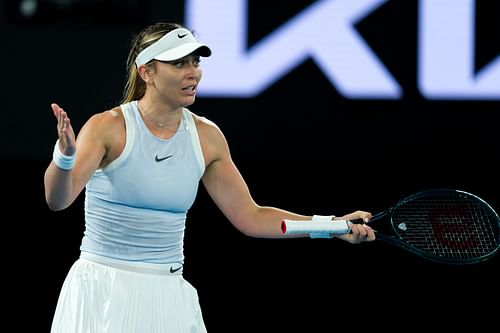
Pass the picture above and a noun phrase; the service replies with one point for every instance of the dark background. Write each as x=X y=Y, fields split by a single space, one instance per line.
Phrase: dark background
x=300 y=145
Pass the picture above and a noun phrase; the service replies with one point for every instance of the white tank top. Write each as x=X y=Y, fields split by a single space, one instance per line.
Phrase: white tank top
x=136 y=207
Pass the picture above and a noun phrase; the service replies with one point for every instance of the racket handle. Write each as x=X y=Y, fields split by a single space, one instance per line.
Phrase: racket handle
x=315 y=229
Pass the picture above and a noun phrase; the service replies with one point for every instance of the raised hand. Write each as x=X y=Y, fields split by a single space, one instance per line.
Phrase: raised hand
x=67 y=141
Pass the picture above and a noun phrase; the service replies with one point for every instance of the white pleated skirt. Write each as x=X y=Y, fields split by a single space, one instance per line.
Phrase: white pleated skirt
x=102 y=295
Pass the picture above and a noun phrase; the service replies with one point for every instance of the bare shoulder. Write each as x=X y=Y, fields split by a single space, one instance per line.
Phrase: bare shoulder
x=201 y=121
x=105 y=129
x=106 y=118
x=104 y=126
x=212 y=140
x=207 y=128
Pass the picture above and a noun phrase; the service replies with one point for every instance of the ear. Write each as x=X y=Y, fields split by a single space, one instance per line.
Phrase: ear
x=145 y=72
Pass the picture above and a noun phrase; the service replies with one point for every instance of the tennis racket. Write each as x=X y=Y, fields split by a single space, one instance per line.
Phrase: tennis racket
x=444 y=225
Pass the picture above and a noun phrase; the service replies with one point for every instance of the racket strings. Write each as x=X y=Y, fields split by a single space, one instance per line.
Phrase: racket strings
x=448 y=226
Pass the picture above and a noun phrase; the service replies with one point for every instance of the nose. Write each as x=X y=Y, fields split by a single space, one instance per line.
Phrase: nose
x=192 y=68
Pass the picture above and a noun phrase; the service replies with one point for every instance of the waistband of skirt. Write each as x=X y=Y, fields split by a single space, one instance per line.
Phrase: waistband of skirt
x=134 y=266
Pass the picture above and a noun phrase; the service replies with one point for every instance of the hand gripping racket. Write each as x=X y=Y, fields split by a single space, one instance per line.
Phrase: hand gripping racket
x=443 y=225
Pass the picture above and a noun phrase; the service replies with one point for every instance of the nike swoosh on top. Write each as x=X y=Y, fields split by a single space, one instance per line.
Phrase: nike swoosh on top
x=181 y=36
x=173 y=270
x=159 y=159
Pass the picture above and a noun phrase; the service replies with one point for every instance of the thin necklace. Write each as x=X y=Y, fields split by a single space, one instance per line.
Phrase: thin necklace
x=154 y=121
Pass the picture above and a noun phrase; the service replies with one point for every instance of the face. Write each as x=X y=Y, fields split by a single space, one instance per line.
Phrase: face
x=176 y=81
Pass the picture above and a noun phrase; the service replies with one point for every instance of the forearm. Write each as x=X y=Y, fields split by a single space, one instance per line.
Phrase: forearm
x=265 y=222
x=58 y=187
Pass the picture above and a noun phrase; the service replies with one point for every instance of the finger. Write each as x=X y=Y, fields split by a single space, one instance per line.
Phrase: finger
x=366 y=233
x=66 y=126
x=355 y=235
x=371 y=235
x=66 y=120
x=367 y=217
x=362 y=232
x=57 y=112
x=59 y=122
x=358 y=215
x=63 y=121
x=55 y=109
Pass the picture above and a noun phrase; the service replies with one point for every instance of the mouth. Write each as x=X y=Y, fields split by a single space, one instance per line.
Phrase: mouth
x=190 y=89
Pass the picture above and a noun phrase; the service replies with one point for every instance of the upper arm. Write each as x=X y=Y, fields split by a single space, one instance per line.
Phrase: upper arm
x=95 y=141
x=223 y=181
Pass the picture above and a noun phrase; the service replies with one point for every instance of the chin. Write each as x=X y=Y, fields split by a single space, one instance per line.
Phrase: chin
x=188 y=102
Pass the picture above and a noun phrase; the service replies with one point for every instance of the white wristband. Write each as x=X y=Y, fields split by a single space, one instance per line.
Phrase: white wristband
x=321 y=218
x=64 y=162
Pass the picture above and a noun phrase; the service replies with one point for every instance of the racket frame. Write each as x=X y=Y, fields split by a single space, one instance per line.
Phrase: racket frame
x=398 y=239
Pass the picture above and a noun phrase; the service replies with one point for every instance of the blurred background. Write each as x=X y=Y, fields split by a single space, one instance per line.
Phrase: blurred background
x=328 y=107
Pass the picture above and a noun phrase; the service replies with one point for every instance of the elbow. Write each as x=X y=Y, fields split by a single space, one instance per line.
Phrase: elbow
x=249 y=231
x=247 y=224
x=54 y=205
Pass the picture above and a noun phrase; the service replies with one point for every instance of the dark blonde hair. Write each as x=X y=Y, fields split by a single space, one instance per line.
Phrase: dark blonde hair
x=135 y=86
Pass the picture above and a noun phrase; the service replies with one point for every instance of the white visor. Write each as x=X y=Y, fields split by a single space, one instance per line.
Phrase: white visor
x=174 y=45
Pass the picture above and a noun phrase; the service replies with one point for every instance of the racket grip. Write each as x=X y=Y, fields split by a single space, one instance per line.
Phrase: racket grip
x=357 y=221
x=321 y=229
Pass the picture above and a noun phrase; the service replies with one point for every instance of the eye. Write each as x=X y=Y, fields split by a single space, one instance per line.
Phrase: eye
x=196 y=61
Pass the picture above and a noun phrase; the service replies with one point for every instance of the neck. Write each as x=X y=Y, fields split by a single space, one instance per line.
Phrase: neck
x=159 y=117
